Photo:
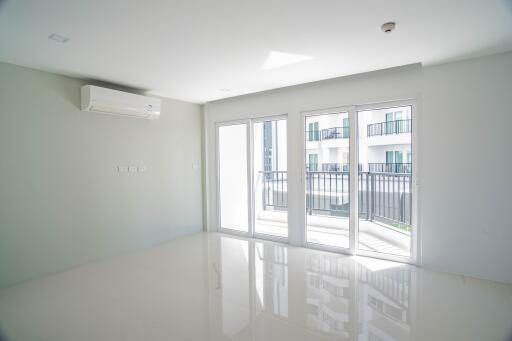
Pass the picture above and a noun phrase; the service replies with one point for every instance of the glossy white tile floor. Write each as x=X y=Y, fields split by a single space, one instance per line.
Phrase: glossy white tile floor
x=216 y=287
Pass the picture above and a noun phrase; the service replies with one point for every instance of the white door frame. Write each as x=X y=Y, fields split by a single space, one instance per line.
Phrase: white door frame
x=218 y=125
x=304 y=114
x=253 y=208
x=353 y=248
x=300 y=229
x=250 y=177
x=415 y=228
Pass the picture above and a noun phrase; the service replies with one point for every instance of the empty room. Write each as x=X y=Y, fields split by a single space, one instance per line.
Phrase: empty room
x=255 y=170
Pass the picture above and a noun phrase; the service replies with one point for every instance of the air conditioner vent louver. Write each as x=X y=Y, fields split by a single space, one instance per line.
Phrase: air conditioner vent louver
x=113 y=102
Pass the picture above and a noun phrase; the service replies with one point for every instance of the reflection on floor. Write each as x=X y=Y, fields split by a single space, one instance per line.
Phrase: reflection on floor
x=334 y=231
x=212 y=286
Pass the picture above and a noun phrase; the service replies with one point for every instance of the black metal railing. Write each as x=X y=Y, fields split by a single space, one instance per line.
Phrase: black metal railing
x=328 y=134
x=372 y=167
x=275 y=189
x=390 y=167
x=389 y=127
x=382 y=196
x=327 y=192
x=335 y=133
x=386 y=197
x=335 y=167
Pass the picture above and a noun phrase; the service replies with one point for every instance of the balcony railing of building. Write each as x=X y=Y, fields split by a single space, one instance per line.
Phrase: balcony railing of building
x=328 y=134
x=390 y=167
x=275 y=189
x=335 y=167
x=383 y=197
x=372 y=167
x=389 y=127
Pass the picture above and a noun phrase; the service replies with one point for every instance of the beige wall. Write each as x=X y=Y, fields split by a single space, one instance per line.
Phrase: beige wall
x=62 y=202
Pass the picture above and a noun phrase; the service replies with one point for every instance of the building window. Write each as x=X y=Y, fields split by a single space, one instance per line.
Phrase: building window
x=345 y=130
x=313 y=133
x=389 y=157
x=398 y=156
x=389 y=123
x=313 y=163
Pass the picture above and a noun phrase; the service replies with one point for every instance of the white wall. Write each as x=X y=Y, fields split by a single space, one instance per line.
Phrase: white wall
x=466 y=165
x=464 y=115
x=62 y=202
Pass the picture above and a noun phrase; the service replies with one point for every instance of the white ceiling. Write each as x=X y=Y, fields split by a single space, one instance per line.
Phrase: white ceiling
x=194 y=50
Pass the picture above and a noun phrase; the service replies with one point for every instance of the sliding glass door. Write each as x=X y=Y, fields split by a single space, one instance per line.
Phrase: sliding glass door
x=253 y=177
x=327 y=179
x=233 y=177
x=270 y=178
x=352 y=190
x=358 y=180
x=385 y=191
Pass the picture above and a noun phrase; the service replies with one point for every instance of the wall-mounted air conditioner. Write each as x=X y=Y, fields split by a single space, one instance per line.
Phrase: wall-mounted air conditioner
x=108 y=101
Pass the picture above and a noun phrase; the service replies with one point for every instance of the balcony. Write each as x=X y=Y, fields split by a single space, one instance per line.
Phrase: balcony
x=384 y=198
x=328 y=134
x=372 y=167
x=390 y=167
x=389 y=128
x=335 y=167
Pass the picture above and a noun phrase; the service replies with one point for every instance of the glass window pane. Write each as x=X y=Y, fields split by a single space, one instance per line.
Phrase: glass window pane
x=234 y=213
x=327 y=180
x=270 y=178
x=385 y=182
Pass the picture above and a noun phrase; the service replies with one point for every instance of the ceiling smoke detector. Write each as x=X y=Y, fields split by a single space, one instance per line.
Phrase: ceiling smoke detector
x=388 y=27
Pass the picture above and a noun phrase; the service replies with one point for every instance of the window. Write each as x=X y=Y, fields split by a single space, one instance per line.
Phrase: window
x=313 y=162
x=233 y=186
x=253 y=177
x=389 y=123
x=355 y=193
x=389 y=157
x=270 y=174
x=398 y=156
x=327 y=191
x=345 y=129
x=313 y=131
x=385 y=190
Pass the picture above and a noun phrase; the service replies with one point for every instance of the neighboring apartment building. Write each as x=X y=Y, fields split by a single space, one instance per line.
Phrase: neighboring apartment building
x=384 y=139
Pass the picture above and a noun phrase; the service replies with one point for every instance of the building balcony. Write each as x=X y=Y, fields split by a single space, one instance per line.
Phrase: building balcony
x=389 y=128
x=390 y=167
x=328 y=134
x=384 y=201
x=373 y=167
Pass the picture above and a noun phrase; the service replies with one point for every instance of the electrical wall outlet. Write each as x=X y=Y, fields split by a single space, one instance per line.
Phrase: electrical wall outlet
x=132 y=169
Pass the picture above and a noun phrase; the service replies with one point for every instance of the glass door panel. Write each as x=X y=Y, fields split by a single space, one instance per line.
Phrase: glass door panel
x=233 y=183
x=270 y=176
x=385 y=182
x=327 y=180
